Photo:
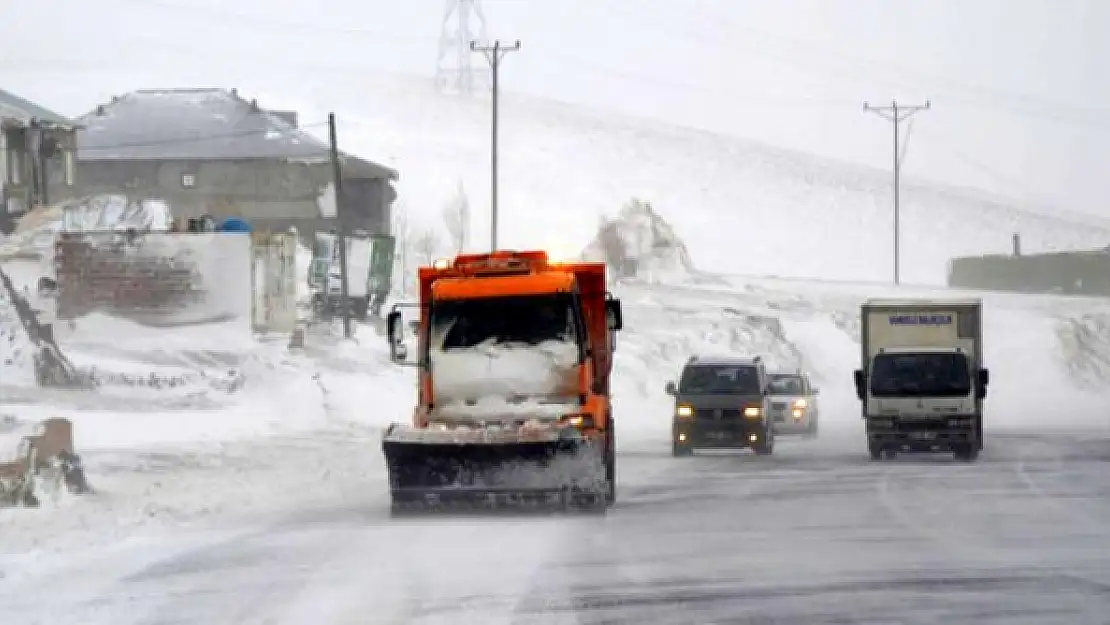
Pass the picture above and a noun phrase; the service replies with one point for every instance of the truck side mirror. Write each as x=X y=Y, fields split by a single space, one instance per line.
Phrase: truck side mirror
x=398 y=350
x=614 y=318
x=861 y=383
x=982 y=379
x=815 y=391
x=670 y=389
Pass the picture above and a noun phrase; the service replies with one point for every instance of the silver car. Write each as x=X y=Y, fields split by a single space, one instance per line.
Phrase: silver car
x=793 y=404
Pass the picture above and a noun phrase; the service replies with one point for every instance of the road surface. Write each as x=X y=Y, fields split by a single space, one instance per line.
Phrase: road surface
x=815 y=534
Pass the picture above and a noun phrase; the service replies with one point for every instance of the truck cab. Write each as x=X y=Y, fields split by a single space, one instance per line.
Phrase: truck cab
x=922 y=381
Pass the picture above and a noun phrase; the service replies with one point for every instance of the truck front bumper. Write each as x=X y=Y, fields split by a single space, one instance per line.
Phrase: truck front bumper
x=945 y=433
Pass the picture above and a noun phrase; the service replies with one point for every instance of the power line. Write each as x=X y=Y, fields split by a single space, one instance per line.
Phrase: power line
x=896 y=114
x=494 y=54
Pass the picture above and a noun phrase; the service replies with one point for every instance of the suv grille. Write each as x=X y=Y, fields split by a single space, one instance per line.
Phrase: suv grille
x=710 y=414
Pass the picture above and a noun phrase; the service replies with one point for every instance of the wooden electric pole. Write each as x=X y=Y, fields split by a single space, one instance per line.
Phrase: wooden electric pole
x=896 y=114
x=341 y=227
x=494 y=54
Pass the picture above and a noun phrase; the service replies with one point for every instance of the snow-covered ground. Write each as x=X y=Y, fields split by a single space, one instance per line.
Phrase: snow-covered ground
x=263 y=504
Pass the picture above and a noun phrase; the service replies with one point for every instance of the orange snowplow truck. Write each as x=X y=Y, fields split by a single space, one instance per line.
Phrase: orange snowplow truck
x=514 y=354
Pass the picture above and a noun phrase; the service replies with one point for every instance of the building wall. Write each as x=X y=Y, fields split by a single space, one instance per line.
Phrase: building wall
x=1069 y=273
x=272 y=194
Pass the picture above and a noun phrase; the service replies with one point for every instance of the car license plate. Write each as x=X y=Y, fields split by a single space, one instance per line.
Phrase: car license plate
x=923 y=436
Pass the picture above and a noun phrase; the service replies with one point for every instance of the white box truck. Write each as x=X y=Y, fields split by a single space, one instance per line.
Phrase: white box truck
x=922 y=380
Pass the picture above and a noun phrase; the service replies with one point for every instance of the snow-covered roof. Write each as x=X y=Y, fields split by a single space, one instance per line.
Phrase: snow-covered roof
x=17 y=108
x=201 y=124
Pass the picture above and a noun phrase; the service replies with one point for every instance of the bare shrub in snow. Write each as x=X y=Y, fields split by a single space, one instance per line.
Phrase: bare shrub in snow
x=426 y=245
x=456 y=217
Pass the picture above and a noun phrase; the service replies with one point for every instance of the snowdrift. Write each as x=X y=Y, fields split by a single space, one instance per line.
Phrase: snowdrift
x=639 y=243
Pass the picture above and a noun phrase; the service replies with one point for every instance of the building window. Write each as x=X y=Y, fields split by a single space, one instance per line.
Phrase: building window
x=70 y=167
x=188 y=180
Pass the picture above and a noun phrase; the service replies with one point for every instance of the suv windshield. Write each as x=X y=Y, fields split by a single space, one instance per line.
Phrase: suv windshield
x=917 y=375
x=520 y=320
x=785 y=384
x=720 y=380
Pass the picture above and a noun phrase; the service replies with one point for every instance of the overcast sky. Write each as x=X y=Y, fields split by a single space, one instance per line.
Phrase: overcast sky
x=1020 y=88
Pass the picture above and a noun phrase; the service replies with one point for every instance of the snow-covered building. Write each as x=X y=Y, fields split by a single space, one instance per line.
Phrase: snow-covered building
x=37 y=149
x=213 y=151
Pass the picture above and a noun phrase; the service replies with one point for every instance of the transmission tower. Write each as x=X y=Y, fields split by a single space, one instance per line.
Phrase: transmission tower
x=463 y=22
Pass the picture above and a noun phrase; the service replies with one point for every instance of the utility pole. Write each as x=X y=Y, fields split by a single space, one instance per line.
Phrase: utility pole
x=341 y=227
x=494 y=54
x=896 y=114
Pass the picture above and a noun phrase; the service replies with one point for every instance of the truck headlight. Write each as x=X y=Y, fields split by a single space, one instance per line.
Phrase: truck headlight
x=684 y=412
x=801 y=403
x=753 y=412
x=580 y=421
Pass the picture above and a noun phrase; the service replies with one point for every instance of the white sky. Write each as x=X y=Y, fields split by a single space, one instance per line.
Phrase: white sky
x=1019 y=87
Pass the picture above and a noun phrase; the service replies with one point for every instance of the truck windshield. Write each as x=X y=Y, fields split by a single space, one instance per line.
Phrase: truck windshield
x=719 y=380
x=787 y=384
x=919 y=375
x=519 y=320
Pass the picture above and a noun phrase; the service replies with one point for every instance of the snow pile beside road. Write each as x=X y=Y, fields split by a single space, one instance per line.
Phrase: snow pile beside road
x=639 y=243
x=1084 y=348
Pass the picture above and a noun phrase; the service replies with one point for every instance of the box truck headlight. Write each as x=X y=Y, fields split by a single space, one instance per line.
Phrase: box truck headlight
x=684 y=412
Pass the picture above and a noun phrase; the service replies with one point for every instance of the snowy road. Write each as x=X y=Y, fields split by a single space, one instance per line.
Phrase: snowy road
x=815 y=534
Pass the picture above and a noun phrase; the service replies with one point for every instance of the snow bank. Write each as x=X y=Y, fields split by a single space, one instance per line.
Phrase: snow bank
x=639 y=243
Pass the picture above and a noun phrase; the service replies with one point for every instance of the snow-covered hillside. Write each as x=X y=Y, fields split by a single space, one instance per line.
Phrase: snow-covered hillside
x=741 y=207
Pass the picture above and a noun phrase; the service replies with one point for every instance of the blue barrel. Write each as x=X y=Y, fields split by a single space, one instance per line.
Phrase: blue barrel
x=235 y=224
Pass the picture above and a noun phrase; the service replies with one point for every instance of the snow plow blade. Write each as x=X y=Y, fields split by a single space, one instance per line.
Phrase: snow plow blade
x=461 y=476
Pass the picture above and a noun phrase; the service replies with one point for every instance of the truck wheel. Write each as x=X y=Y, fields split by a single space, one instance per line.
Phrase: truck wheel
x=875 y=450
x=967 y=453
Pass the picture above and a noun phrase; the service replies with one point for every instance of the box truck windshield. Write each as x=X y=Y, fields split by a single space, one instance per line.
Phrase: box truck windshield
x=903 y=374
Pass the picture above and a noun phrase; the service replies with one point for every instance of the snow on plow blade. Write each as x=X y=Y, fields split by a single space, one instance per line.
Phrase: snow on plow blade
x=491 y=474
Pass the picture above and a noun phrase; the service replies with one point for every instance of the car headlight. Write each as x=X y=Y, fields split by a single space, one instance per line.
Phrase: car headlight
x=801 y=403
x=753 y=412
x=684 y=411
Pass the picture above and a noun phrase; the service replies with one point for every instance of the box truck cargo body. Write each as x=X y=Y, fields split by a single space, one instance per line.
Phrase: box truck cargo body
x=922 y=380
